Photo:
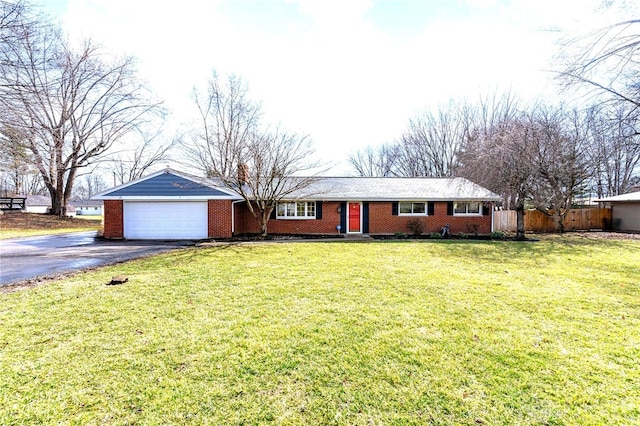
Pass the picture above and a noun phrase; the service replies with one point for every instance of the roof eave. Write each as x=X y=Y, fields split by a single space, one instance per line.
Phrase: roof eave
x=165 y=197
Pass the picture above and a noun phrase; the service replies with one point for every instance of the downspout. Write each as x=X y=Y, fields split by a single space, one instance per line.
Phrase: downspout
x=491 y=205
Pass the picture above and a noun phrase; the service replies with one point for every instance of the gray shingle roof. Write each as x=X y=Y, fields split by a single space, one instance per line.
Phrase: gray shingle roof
x=167 y=183
x=38 y=200
x=395 y=189
x=175 y=184
x=632 y=196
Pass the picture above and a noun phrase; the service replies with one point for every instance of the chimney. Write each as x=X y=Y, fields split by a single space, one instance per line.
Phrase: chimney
x=243 y=173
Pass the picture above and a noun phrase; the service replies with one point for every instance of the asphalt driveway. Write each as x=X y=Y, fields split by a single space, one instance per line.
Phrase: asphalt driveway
x=24 y=259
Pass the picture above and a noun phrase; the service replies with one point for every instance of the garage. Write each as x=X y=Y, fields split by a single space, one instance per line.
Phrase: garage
x=165 y=220
x=168 y=205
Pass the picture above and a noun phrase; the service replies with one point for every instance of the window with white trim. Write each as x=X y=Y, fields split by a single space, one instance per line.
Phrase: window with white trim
x=297 y=210
x=467 y=208
x=407 y=208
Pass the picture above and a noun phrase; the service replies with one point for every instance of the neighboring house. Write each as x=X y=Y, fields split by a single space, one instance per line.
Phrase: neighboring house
x=38 y=204
x=88 y=207
x=174 y=205
x=42 y=204
x=625 y=211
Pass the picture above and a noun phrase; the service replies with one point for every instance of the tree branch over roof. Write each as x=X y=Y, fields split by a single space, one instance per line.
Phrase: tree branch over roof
x=262 y=164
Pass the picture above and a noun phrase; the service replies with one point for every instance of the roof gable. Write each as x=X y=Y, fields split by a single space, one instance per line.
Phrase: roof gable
x=167 y=184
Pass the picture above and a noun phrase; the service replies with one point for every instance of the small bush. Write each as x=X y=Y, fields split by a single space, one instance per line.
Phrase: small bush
x=497 y=235
x=435 y=235
x=400 y=235
x=462 y=235
x=416 y=226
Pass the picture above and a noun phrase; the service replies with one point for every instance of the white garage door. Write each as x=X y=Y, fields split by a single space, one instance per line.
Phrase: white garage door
x=165 y=220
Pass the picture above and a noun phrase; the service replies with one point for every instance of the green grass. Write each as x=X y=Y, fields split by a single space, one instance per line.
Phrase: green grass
x=18 y=225
x=21 y=233
x=408 y=332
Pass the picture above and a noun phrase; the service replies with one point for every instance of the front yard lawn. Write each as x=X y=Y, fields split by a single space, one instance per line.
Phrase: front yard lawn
x=412 y=332
x=18 y=224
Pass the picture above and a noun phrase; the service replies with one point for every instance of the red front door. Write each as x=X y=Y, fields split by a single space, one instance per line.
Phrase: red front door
x=354 y=217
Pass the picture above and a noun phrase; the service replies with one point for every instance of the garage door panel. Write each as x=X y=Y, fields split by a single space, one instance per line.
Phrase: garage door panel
x=165 y=220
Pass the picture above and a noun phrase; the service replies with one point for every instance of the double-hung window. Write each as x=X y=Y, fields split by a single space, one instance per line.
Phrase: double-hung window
x=296 y=210
x=418 y=208
x=467 y=208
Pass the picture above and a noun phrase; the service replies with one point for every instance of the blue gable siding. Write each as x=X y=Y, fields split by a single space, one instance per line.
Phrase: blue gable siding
x=167 y=185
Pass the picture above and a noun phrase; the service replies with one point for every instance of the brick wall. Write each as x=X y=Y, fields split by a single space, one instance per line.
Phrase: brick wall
x=219 y=219
x=247 y=224
x=113 y=219
x=381 y=221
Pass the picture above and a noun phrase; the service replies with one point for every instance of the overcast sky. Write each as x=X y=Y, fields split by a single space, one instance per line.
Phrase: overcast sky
x=349 y=73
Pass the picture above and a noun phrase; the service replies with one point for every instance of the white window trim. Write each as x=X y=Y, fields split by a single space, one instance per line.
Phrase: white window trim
x=296 y=210
x=467 y=208
x=426 y=208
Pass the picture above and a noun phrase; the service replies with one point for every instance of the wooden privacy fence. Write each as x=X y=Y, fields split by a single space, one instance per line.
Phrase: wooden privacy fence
x=535 y=221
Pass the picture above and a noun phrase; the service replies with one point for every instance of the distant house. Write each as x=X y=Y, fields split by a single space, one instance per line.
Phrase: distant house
x=88 y=207
x=625 y=211
x=174 y=205
x=38 y=204
x=42 y=204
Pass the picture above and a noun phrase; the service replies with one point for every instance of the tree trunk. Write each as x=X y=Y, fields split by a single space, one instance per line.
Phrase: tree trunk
x=264 y=221
x=520 y=222
x=58 y=206
x=559 y=221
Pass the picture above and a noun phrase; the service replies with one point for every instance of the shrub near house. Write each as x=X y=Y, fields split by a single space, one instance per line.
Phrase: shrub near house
x=175 y=205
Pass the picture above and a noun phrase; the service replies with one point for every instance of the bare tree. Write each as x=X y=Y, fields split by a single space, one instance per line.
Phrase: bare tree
x=613 y=151
x=15 y=161
x=560 y=160
x=15 y=18
x=607 y=61
x=374 y=161
x=71 y=104
x=133 y=163
x=261 y=164
x=501 y=160
x=228 y=122
x=431 y=144
x=497 y=151
x=273 y=166
x=433 y=141
x=89 y=185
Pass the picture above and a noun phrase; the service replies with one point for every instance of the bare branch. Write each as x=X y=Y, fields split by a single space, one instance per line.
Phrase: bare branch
x=263 y=165
x=71 y=105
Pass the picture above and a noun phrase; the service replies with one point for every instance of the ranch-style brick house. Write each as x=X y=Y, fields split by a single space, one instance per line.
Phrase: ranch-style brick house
x=174 y=205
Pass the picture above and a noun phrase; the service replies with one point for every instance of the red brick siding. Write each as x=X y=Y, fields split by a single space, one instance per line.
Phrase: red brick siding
x=247 y=224
x=381 y=221
x=113 y=219
x=219 y=219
